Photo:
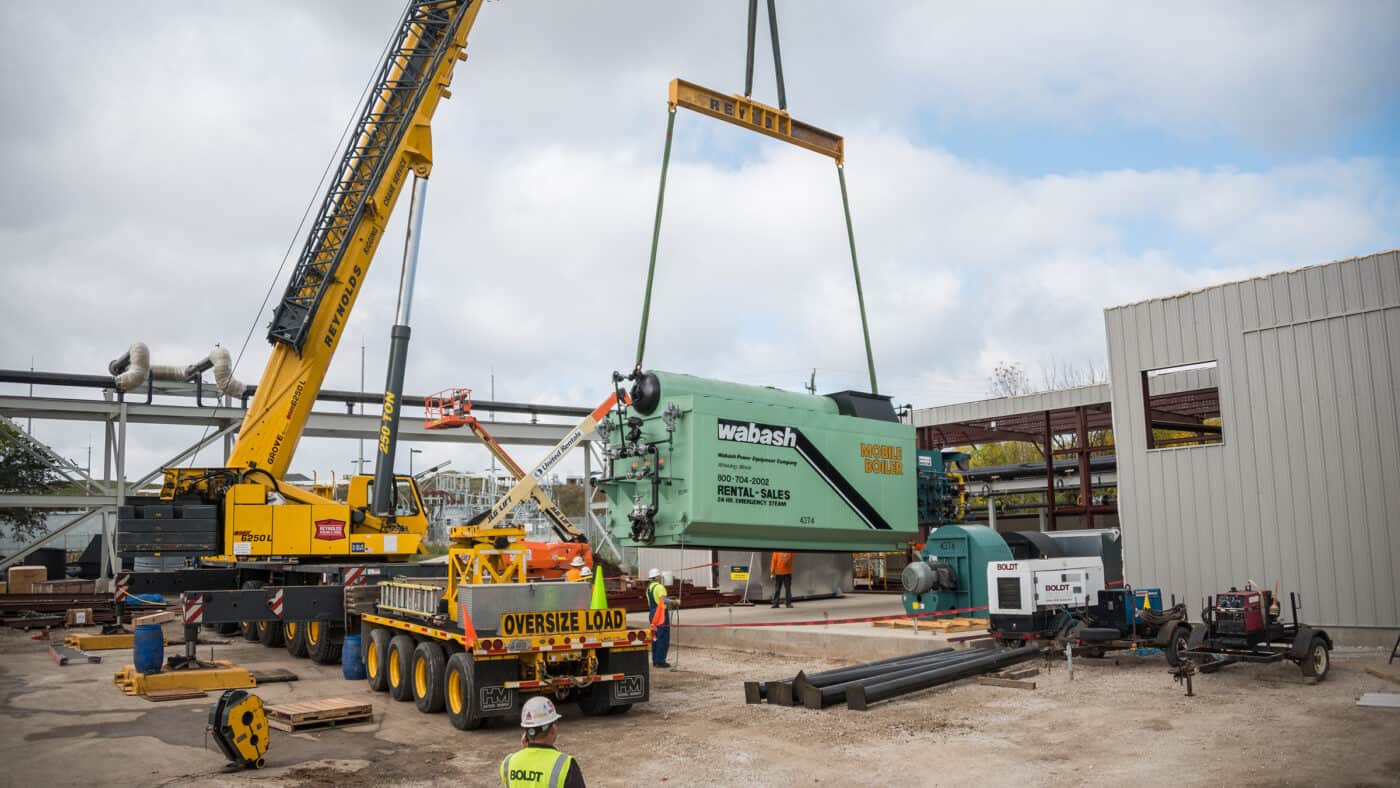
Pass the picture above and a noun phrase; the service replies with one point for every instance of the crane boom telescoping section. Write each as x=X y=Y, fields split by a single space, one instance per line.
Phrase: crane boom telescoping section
x=392 y=141
x=231 y=512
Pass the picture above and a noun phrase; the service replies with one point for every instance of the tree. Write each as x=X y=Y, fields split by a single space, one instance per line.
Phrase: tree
x=1008 y=380
x=22 y=472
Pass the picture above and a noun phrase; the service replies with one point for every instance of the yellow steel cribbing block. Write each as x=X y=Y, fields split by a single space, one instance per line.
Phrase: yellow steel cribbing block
x=225 y=675
x=99 y=642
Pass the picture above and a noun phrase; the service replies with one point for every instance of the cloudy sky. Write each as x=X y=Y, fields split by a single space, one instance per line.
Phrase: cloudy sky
x=1013 y=169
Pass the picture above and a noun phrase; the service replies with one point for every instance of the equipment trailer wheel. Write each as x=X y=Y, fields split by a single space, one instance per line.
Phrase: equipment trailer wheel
x=401 y=667
x=594 y=701
x=250 y=628
x=322 y=645
x=270 y=633
x=294 y=636
x=429 y=672
x=377 y=659
x=1178 y=643
x=463 y=705
x=1318 y=659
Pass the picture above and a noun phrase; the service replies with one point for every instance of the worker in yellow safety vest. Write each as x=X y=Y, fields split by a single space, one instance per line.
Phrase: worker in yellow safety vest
x=656 y=609
x=537 y=764
x=575 y=574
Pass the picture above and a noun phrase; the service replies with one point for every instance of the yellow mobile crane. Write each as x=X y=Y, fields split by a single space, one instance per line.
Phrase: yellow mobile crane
x=243 y=511
x=245 y=525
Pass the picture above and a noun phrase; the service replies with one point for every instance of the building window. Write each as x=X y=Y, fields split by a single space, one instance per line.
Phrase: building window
x=1182 y=405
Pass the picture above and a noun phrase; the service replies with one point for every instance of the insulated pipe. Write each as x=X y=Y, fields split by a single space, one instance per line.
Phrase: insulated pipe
x=814 y=697
x=131 y=369
x=860 y=696
x=228 y=385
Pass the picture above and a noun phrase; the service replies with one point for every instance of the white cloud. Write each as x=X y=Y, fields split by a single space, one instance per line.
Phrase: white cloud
x=156 y=185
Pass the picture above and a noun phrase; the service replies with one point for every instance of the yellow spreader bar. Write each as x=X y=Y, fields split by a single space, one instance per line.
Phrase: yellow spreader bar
x=756 y=116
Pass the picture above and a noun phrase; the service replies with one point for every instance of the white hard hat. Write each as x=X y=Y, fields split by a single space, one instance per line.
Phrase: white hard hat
x=578 y=561
x=654 y=573
x=538 y=712
x=587 y=571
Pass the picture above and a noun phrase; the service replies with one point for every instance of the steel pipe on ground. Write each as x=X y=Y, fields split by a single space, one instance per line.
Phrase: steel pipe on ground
x=779 y=691
x=860 y=696
x=819 y=697
x=834 y=675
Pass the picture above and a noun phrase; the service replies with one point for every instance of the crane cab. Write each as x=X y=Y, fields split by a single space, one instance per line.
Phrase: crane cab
x=257 y=525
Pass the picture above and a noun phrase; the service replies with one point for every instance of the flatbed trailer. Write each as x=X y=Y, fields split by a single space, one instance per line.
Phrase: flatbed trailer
x=527 y=639
x=299 y=606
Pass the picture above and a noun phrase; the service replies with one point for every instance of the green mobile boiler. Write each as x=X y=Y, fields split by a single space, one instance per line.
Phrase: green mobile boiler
x=704 y=463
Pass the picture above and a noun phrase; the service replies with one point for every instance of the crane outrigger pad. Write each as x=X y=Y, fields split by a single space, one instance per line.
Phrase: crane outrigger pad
x=214 y=675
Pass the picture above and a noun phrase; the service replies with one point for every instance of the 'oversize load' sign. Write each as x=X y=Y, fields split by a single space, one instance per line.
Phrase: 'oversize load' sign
x=563 y=622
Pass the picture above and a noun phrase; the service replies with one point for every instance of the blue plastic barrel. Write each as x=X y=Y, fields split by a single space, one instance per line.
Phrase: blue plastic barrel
x=352 y=662
x=149 y=648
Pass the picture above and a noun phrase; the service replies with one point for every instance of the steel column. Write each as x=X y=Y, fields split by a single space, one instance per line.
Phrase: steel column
x=1086 y=491
x=1049 y=472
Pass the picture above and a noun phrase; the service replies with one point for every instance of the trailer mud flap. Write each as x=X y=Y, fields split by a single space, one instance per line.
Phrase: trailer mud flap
x=496 y=699
x=635 y=684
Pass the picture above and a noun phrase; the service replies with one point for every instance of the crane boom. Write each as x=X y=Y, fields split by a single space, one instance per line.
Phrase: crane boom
x=392 y=140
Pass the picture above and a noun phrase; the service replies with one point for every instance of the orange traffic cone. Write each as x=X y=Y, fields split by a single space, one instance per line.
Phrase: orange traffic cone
x=468 y=631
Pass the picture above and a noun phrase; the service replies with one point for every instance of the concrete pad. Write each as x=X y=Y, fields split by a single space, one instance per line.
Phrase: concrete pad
x=855 y=641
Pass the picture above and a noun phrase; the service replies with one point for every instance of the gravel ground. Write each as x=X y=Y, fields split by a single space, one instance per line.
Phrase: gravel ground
x=1115 y=722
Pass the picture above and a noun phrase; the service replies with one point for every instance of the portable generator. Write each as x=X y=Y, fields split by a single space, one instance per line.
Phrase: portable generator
x=1247 y=626
x=1243 y=617
x=1028 y=599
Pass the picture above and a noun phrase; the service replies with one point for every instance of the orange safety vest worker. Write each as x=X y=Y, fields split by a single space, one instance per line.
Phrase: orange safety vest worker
x=781 y=564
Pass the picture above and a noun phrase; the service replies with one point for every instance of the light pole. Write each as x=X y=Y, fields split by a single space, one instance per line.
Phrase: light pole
x=412 y=452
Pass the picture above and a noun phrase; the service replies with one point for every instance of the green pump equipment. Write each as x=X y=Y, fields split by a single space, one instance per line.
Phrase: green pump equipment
x=704 y=463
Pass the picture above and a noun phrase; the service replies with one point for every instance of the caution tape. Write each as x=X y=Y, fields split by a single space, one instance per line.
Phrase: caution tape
x=825 y=621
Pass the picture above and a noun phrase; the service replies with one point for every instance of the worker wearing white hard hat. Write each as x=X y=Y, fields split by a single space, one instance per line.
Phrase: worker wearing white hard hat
x=575 y=573
x=587 y=572
x=656 y=611
x=537 y=763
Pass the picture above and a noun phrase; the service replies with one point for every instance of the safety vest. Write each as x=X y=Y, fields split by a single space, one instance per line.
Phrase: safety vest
x=655 y=593
x=573 y=576
x=535 y=767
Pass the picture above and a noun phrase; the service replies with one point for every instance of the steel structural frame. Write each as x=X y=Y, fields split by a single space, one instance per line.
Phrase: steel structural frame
x=221 y=421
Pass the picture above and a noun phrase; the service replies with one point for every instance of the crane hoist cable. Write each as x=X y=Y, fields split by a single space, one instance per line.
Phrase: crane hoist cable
x=743 y=111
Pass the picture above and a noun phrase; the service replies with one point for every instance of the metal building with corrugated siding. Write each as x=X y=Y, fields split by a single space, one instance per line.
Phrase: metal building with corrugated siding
x=1289 y=469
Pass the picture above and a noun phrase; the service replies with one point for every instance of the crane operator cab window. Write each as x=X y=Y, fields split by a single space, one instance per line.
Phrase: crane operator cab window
x=405 y=503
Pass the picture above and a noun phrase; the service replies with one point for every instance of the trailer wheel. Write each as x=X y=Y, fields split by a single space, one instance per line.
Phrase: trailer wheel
x=270 y=633
x=250 y=628
x=621 y=708
x=1179 y=642
x=294 y=636
x=459 y=690
x=322 y=645
x=1318 y=659
x=429 y=670
x=377 y=660
x=594 y=701
x=400 y=667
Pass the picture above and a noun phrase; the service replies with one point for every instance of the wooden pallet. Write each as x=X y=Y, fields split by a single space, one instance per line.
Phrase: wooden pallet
x=329 y=712
x=936 y=625
x=1011 y=677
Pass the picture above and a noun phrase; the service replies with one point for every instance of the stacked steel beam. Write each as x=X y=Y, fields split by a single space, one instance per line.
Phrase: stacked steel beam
x=870 y=682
